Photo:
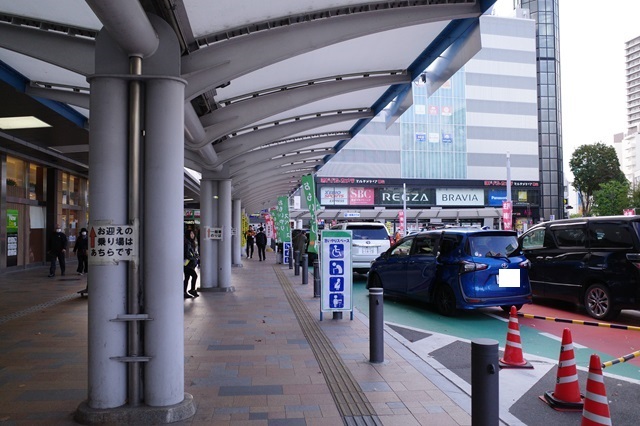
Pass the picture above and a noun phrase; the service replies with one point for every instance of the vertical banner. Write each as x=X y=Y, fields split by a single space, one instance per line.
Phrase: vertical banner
x=507 y=219
x=268 y=222
x=283 y=227
x=12 y=237
x=309 y=191
x=282 y=220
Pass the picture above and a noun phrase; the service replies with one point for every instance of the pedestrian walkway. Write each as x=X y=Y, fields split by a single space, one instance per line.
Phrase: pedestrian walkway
x=258 y=355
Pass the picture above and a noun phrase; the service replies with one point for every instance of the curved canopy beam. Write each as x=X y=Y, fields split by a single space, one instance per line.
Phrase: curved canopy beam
x=215 y=65
x=224 y=121
x=234 y=146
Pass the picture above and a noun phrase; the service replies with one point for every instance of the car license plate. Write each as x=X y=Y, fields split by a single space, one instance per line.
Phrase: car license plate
x=368 y=250
x=508 y=278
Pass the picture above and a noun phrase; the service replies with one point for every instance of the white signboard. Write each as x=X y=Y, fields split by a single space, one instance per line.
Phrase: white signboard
x=459 y=197
x=334 y=196
x=212 y=233
x=337 y=274
x=111 y=244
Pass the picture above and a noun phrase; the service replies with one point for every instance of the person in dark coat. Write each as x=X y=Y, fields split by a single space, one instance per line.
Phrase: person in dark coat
x=81 y=248
x=250 y=236
x=57 y=250
x=261 y=242
x=190 y=263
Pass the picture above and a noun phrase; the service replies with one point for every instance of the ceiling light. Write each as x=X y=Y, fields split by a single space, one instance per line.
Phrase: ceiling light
x=27 y=122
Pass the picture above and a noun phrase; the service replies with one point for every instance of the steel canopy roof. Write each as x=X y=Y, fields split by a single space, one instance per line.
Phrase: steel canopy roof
x=274 y=88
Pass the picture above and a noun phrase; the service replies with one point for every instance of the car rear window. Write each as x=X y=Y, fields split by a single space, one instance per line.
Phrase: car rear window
x=492 y=245
x=365 y=232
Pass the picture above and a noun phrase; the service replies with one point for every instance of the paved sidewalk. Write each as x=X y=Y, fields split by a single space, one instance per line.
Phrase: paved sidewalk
x=257 y=356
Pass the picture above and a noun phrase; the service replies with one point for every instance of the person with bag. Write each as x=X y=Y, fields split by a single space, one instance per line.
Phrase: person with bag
x=250 y=236
x=81 y=248
x=190 y=263
x=261 y=242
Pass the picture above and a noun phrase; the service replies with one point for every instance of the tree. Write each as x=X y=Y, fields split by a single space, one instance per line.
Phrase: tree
x=593 y=165
x=612 y=198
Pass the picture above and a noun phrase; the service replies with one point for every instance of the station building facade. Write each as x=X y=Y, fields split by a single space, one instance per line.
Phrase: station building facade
x=450 y=149
x=34 y=198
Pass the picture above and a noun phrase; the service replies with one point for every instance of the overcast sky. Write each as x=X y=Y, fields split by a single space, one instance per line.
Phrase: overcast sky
x=592 y=65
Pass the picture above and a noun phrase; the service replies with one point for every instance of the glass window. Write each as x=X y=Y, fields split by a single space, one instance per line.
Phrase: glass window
x=369 y=232
x=570 y=237
x=15 y=177
x=609 y=235
x=37 y=182
x=402 y=249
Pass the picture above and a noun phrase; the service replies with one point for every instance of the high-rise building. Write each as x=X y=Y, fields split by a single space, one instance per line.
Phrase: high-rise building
x=632 y=49
x=451 y=148
x=545 y=14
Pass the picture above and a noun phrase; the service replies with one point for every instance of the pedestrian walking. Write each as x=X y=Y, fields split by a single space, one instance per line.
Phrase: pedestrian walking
x=57 y=250
x=299 y=244
x=250 y=237
x=81 y=248
x=261 y=242
x=190 y=264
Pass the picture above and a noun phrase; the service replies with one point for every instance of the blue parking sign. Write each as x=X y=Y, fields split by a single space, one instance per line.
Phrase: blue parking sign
x=337 y=272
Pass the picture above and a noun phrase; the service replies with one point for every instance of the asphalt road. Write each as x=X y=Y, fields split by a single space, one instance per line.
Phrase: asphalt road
x=445 y=342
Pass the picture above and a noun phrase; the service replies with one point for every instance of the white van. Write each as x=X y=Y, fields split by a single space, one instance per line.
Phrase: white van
x=369 y=240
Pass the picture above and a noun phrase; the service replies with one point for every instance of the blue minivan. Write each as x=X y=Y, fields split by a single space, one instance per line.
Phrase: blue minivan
x=456 y=268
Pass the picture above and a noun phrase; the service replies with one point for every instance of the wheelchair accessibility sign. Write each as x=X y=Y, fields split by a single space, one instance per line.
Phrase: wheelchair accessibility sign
x=337 y=284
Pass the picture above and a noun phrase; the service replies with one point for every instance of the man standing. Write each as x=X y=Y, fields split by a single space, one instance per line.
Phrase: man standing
x=57 y=250
x=261 y=242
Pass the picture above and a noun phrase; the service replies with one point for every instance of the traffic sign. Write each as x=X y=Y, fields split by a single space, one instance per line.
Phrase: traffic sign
x=337 y=274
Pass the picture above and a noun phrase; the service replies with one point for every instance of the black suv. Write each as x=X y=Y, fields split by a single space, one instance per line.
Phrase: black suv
x=593 y=262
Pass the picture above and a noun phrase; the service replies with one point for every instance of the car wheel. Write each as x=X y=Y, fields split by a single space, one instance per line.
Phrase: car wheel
x=445 y=300
x=507 y=308
x=374 y=281
x=597 y=301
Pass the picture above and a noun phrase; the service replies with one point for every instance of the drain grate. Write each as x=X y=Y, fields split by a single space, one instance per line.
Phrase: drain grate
x=36 y=308
x=349 y=397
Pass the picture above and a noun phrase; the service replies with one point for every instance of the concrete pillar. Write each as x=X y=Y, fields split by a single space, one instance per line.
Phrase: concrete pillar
x=107 y=284
x=236 y=244
x=224 y=253
x=208 y=249
x=163 y=237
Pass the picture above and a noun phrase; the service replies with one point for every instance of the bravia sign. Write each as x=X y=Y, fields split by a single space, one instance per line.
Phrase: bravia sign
x=459 y=197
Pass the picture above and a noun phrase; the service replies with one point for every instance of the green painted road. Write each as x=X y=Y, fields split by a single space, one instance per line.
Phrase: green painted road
x=488 y=323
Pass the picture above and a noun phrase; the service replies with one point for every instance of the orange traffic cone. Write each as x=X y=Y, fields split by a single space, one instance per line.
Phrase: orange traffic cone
x=596 y=405
x=566 y=396
x=513 y=349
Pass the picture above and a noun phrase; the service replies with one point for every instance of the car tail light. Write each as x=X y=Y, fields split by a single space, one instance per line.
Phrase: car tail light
x=525 y=264
x=466 y=266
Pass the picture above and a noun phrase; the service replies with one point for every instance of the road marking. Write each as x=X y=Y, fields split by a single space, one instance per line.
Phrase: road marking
x=551 y=336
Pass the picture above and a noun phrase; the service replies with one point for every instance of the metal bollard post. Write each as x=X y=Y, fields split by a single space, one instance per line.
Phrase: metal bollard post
x=296 y=260
x=376 y=325
x=316 y=278
x=290 y=258
x=484 y=382
x=305 y=269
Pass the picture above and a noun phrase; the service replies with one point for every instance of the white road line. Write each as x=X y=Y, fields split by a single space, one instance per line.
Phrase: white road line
x=559 y=339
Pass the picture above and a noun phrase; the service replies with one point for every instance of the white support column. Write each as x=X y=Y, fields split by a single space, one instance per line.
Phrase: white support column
x=224 y=253
x=208 y=251
x=163 y=238
x=107 y=284
x=236 y=244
